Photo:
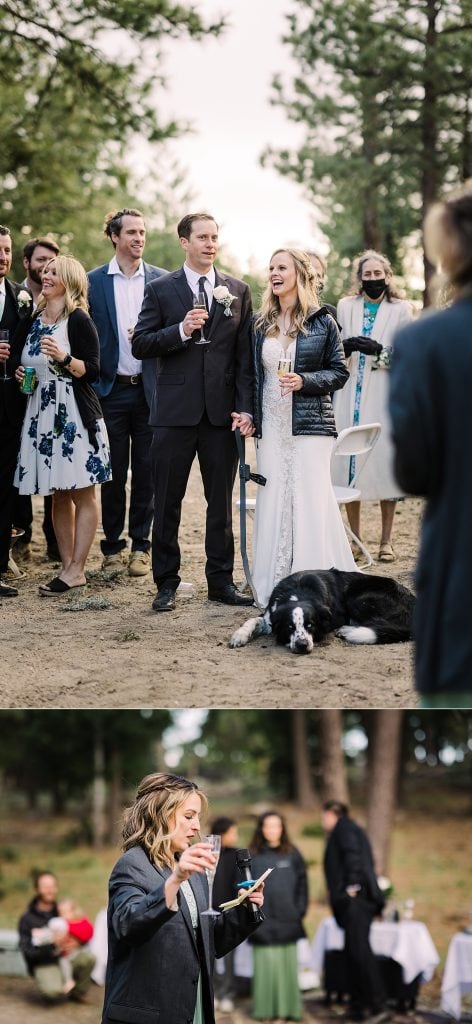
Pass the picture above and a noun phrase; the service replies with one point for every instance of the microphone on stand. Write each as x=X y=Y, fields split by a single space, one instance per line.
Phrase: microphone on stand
x=243 y=860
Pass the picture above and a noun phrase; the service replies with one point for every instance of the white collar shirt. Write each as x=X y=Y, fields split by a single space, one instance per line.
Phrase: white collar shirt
x=129 y=294
x=193 y=278
x=2 y=296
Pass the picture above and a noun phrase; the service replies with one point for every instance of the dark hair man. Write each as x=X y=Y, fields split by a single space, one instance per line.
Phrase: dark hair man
x=15 y=303
x=125 y=389
x=43 y=961
x=36 y=253
x=203 y=391
x=225 y=886
x=356 y=899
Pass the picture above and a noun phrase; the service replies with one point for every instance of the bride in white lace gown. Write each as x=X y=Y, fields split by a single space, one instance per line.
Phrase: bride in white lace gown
x=297 y=524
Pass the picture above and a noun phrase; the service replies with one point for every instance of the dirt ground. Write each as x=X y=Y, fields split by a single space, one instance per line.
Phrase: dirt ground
x=124 y=655
x=20 y=1004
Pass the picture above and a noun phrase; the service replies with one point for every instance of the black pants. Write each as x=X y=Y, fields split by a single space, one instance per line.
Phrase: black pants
x=173 y=451
x=364 y=980
x=126 y=415
x=23 y=517
x=9 y=446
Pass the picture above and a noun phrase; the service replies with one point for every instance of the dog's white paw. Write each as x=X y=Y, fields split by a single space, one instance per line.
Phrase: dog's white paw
x=239 y=638
x=357 y=634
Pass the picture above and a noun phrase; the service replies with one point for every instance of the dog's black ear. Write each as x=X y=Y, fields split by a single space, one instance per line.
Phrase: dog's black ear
x=322 y=622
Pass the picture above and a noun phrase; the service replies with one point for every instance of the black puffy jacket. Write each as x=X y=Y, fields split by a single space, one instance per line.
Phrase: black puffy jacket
x=285 y=896
x=319 y=359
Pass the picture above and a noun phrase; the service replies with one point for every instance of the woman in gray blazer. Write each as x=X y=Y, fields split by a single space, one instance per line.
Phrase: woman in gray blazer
x=161 y=949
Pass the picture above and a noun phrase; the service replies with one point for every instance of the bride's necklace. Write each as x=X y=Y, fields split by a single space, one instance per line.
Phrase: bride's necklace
x=285 y=327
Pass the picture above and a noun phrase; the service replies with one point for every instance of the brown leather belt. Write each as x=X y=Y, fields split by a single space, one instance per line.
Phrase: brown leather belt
x=134 y=379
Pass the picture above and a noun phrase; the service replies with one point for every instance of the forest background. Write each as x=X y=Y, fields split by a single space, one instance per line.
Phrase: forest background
x=381 y=95
x=67 y=776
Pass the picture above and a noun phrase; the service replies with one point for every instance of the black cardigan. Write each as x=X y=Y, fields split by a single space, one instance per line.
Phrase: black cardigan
x=84 y=344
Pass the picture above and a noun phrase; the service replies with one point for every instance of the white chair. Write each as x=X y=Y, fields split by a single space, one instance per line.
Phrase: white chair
x=356 y=441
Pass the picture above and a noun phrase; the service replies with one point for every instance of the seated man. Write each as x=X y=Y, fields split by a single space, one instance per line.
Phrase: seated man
x=43 y=961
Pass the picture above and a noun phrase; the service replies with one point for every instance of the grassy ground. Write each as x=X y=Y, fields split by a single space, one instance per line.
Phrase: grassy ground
x=430 y=863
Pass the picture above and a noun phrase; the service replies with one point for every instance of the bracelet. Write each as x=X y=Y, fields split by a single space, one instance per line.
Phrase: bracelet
x=67 y=359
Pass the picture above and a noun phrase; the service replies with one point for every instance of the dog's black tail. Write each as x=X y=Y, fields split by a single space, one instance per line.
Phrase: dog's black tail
x=390 y=632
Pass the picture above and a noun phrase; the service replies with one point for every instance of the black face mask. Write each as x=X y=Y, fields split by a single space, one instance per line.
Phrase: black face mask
x=375 y=288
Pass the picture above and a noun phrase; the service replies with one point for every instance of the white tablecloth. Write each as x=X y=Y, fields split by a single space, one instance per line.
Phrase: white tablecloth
x=408 y=942
x=457 y=977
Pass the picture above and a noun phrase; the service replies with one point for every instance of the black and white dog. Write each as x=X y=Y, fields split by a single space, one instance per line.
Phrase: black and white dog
x=304 y=607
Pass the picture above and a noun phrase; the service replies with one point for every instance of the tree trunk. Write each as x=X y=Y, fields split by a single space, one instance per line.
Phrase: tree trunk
x=98 y=790
x=333 y=769
x=385 y=762
x=304 y=791
x=115 y=797
x=430 y=128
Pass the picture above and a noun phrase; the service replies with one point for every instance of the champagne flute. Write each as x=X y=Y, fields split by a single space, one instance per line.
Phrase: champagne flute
x=214 y=843
x=5 y=337
x=199 y=302
x=285 y=366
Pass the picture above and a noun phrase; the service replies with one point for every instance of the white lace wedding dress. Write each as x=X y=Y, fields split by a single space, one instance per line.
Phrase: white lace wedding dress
x=297 y=523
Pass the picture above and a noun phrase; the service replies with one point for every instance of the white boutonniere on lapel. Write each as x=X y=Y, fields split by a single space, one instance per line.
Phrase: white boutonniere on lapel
x=23 y=299
x=224 y=297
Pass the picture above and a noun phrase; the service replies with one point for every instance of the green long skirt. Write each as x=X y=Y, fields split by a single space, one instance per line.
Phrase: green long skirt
x=275 y=989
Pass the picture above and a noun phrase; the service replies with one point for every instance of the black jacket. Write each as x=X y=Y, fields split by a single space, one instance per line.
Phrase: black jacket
x=83 y=340
x=154 y=960
x=192 y=379
x=285 y=896
x=431 y=412
x=36 y=956
x=348 y=861
x=319 y=359
x=226 y=877
x=12 y=401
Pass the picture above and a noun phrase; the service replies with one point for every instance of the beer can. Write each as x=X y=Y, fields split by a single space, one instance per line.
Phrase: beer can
x=28 y=383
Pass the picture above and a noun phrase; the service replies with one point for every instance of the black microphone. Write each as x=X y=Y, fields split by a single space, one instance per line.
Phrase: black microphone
x=243 y=860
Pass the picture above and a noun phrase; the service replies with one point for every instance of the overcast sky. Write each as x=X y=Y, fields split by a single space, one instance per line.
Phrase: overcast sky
x=222 y=86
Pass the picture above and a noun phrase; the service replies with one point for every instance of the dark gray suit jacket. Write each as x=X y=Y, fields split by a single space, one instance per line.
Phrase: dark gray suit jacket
x=191 y=379
x=154 y=960
x=431 y=412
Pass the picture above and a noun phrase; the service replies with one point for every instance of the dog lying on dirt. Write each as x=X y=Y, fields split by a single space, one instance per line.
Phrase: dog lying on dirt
x=304 y=607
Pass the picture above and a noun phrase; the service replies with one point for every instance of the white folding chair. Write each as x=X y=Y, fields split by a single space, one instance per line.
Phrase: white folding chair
x=356 y=441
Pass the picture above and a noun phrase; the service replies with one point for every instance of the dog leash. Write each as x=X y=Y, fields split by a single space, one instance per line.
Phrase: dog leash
x=245 y=475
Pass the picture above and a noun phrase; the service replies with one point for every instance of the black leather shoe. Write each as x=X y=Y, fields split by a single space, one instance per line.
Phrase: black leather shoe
x=6 y=591
x=164 y=600
x=229 y=595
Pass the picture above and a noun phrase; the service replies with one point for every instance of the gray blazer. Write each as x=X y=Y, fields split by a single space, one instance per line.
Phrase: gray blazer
x=154 y=960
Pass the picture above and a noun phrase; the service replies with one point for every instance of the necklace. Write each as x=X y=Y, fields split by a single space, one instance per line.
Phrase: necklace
x=283 y=318
x=47 y=319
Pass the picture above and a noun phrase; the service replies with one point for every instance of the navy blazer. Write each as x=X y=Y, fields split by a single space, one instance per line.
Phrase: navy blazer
x=191 y=379
x=154 y=957
x=103 y=312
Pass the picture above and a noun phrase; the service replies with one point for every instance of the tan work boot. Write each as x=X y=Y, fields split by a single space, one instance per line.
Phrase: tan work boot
x=139 y=563
x=116 y=561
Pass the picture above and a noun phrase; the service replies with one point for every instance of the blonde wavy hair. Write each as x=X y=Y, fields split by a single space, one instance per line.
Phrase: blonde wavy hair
x=72 y=275
x=307 y=297
x=448 y=244
x=391 y=292
x=148 y=822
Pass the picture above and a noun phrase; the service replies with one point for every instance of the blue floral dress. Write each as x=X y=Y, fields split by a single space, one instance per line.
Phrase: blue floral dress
x=56 y=453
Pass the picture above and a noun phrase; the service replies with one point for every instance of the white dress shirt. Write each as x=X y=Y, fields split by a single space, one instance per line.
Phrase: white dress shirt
x=193 y=278
x=129 y=294
x=2 y=296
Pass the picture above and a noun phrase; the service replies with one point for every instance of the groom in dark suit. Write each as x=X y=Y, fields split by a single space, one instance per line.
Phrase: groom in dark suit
x=203 y=391
x=355 y=899
x=15 y=303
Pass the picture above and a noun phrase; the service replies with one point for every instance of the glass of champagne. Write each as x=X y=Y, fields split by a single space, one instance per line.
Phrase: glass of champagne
x=285 y=366
x=199 y=302
x=5 y=337
x=214 y=842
